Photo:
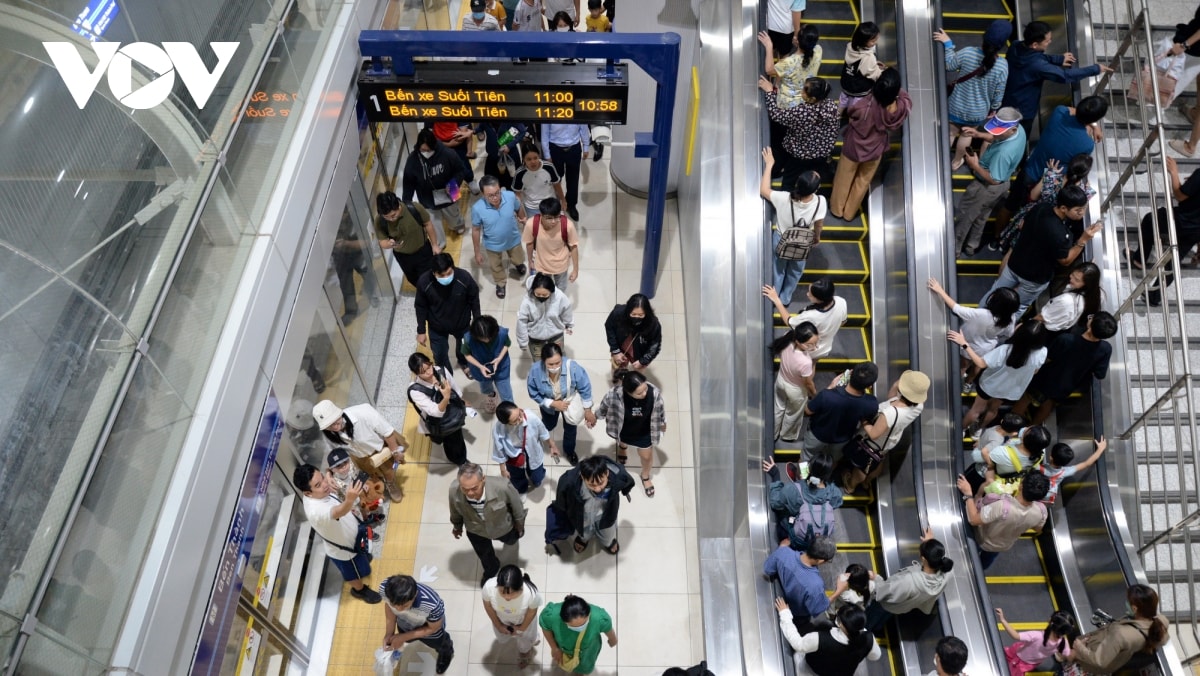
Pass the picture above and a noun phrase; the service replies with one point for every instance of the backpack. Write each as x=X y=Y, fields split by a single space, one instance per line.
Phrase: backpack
x=452 y=420
x=537 y=226
x=812 y=521
x=796 y=242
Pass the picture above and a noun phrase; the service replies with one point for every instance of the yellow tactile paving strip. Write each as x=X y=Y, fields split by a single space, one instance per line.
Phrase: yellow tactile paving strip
x=359 y=629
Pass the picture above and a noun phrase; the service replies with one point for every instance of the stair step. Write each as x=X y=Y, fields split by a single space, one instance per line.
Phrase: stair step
x=857 y=307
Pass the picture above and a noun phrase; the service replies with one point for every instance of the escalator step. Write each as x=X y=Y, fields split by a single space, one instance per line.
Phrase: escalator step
x=1023 y=602
x=850 y=347
x=845 y=262
x=971 y=287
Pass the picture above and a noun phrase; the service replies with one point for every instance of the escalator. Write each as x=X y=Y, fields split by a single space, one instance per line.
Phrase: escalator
x=844 y=255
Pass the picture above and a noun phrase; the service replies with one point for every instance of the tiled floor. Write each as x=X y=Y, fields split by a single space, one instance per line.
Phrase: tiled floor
x=653 y=583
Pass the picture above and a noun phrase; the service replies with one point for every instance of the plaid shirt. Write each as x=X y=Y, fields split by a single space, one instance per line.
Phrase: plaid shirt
x=612 y=408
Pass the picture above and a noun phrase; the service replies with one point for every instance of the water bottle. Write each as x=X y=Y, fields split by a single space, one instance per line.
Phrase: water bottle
x=507 y=137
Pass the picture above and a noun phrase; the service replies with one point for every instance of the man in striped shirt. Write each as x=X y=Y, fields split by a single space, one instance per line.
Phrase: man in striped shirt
x=414 y=612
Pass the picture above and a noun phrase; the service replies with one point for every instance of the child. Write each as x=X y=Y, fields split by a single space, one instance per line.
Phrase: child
x=597 y=21
x=486 y=348
x=1032 y=647
x=856 y=587
x=1009 y=428
x=983 y=327
x=496 y=9
x=1059 y=465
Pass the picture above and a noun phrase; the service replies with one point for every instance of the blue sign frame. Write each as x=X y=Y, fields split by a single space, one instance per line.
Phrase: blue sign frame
x=655 y=53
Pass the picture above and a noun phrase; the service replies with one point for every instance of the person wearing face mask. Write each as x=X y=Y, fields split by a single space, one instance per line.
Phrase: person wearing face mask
x=342 y=474
x=794 y=384
x=447 y=303
x=517 y=438
x=634 y=334
x=635 y=415
x=436 y=175
x=589 y=498
x=511 y=602
x=572 y=630
x=545 y=315
x=374 y=445
x=556 y=383
x=479 y=19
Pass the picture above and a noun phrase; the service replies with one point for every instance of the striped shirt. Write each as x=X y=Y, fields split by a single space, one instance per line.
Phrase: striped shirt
x=973 y=99
x=427 y=607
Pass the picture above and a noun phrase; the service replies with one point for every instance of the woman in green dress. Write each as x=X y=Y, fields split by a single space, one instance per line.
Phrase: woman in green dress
x=572 y=630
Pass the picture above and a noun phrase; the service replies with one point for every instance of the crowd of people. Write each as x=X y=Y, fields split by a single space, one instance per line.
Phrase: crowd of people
x=1038 y=335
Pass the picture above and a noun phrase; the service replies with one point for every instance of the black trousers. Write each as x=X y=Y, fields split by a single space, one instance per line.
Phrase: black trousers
x=486 y=551
x=1187 y=234
x=455 y=447
x=415 y=263
x=568 y=160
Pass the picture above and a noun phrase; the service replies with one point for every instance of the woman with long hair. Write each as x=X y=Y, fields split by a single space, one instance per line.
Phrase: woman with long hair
x=634 y=334
x=794 y=68
x=511 y=601
x=872 y=120
x=983 y=327
x=1078 y=299
x=826 y=310
x=829 y=652
x=794 y=383
x=978 y=76
x=1133 y=638
x=635 y=415
x=916 y=587
x=1007 y=371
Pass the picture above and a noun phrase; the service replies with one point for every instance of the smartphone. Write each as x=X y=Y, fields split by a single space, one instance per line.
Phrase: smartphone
x=362 y=477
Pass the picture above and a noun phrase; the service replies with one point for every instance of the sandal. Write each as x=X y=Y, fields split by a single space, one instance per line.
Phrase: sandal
x=647 y=486
x=524 y=659
x=580 y=545
x=613 y=548
x=622 y=457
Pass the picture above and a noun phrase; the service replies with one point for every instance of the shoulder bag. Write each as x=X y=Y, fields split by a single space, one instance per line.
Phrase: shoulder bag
x=451 y=421
x=568 y=664
x=797 y=241
x=975 y=73
x=574 y=413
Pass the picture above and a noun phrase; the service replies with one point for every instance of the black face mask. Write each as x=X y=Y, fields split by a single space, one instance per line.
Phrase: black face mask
x=635 y=322
x=540 y=299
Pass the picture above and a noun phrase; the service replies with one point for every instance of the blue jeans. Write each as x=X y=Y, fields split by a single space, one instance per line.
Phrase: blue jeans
x=1028 y=291
x=786 y=275
x=550 y=420
x=498 y=381
x=524 y=478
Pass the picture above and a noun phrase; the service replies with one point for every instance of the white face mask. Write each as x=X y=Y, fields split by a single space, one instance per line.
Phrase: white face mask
x=579 y=628
x=427 y=154
x=555 y=369
x=343 y=472
x=563 y=29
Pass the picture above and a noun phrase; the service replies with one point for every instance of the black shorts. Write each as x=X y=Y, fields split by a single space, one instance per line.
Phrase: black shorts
x=980 y=393
x=781 y=42
x=1018 y=192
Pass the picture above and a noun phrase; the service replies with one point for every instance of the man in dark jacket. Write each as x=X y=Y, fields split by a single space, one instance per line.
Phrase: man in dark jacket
x=448 y=301
x=1029 y=65
x=438 y=177
x=588 y=494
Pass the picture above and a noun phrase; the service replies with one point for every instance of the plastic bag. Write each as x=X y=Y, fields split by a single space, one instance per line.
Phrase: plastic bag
x=386 y=661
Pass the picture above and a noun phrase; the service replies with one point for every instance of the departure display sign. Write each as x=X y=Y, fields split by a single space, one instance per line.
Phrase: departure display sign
x=470 y=91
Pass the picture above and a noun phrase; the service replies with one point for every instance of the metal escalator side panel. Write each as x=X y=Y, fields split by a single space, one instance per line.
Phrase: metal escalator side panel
x=928 y=232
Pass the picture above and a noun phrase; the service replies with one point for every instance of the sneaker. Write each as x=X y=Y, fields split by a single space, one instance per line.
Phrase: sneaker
x=793 y=471
x=366 y=594
x=993 y=246
x=597 y=151
x=573 y=458
x=490 y=402
x=500 y=291
x=968 y=388
x=443 y=661
x=521 y=269
x=573 y=213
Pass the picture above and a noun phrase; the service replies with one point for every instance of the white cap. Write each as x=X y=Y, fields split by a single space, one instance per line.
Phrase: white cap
x=325 y=413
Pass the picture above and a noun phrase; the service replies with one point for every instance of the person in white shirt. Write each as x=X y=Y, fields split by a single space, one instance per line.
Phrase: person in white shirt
x=337 y=526
x=374 y=444
x=783 y=23
x=826 y=311
x=433 y=391
x=511 y=601
x=983 y=327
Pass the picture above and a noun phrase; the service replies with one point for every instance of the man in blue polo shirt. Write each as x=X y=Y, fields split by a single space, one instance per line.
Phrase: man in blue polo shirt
x=1004 y=146
x=803 y=587
x=495 y=218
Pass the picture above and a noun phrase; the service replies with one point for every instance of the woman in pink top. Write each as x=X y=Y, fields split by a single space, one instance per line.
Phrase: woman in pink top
x=1033 y=647
x=794 y=384
x=872 y=119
